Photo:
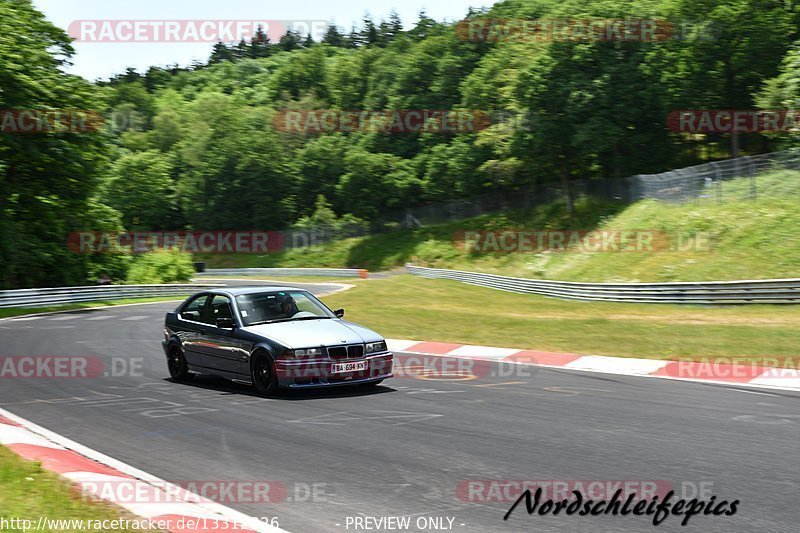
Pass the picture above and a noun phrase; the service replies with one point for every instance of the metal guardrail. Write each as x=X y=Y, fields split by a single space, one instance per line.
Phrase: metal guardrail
x=330 y=272
x=769 y=291
x=67 y=295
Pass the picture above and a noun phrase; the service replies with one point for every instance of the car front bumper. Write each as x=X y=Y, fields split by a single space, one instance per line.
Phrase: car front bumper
x=317 y=372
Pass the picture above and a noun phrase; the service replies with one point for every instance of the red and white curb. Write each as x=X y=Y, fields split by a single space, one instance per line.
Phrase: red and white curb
x=90 y=470
x=705 y=372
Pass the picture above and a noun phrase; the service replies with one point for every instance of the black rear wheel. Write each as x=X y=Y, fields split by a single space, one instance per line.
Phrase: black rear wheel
x=178 y=369
x=265 y=382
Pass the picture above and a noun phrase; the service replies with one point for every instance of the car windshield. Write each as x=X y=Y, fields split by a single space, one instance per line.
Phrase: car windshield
x=280 y=306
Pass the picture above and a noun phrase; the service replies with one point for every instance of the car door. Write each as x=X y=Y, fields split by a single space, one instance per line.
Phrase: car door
x=223 y=351
x=189 y=328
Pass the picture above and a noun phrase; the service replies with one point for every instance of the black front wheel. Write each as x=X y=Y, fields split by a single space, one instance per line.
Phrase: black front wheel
x=178 y=369
x=265 y=382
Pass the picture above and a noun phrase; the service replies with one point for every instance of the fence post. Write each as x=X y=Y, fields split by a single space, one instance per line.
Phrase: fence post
x=752 y=178
x=717 y=182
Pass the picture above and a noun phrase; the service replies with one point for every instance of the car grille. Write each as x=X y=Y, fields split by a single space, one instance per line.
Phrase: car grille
x=353 y=351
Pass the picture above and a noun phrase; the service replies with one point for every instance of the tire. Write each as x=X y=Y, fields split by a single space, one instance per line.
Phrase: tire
x=371 y=384
x=262 y=372
x=176 y=362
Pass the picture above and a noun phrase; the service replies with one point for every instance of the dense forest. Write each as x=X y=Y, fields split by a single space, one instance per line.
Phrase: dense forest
x=198 y=148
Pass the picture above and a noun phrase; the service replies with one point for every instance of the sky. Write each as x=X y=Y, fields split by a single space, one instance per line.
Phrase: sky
x=95 y=60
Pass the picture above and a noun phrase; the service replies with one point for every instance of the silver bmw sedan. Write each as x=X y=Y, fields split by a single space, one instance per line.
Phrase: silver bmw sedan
x=271 y=337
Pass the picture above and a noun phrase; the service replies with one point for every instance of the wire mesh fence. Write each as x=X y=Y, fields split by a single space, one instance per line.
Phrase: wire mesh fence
x=742 y=178
x=609 y=189
x=722 y=181
x=719 y=181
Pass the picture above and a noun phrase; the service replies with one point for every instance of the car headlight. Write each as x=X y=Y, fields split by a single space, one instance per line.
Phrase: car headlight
x=308 y=352
x=373 y=347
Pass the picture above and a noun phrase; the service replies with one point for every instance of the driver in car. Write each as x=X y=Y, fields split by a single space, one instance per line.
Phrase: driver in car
x=289 y=307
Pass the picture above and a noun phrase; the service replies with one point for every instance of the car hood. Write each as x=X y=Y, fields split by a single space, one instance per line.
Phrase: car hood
x=310 y=333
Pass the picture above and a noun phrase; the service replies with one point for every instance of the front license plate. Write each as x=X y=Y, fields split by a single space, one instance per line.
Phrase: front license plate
x=355 y=366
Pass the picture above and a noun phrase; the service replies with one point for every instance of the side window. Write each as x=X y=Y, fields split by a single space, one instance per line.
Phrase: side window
x=193 y=309
x=220 y=308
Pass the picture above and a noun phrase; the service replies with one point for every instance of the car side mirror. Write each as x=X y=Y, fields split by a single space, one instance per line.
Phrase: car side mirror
x=339 y=313
x=226 y=323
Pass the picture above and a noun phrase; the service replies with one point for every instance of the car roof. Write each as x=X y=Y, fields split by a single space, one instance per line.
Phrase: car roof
x=237 y=291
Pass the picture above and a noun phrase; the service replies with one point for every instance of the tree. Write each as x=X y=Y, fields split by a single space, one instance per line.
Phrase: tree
x=425 y=25
x=322 y=218
x=291 y=40
x=141 y=188
x=47 y=179
x=305 y=74
x=221 y=52
x=156 y=78
x=375 y=182
x=392 y=29
x=354 y=38
x=320 y=166
x=259 y=44
x=334 y=37
x=370 y=35
x=783 y=91
x=740 y=48
x=235 y=173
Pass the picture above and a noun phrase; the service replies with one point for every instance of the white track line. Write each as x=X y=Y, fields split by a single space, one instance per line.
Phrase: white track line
x=617 y=365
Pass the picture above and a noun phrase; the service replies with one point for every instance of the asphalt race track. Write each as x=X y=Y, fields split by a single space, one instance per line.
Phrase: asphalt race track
x=404 y=448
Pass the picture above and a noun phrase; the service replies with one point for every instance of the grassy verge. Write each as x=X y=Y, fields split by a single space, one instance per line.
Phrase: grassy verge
x=408 y=307
x=18 y=311
x=28 y=492
x=748 y=239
